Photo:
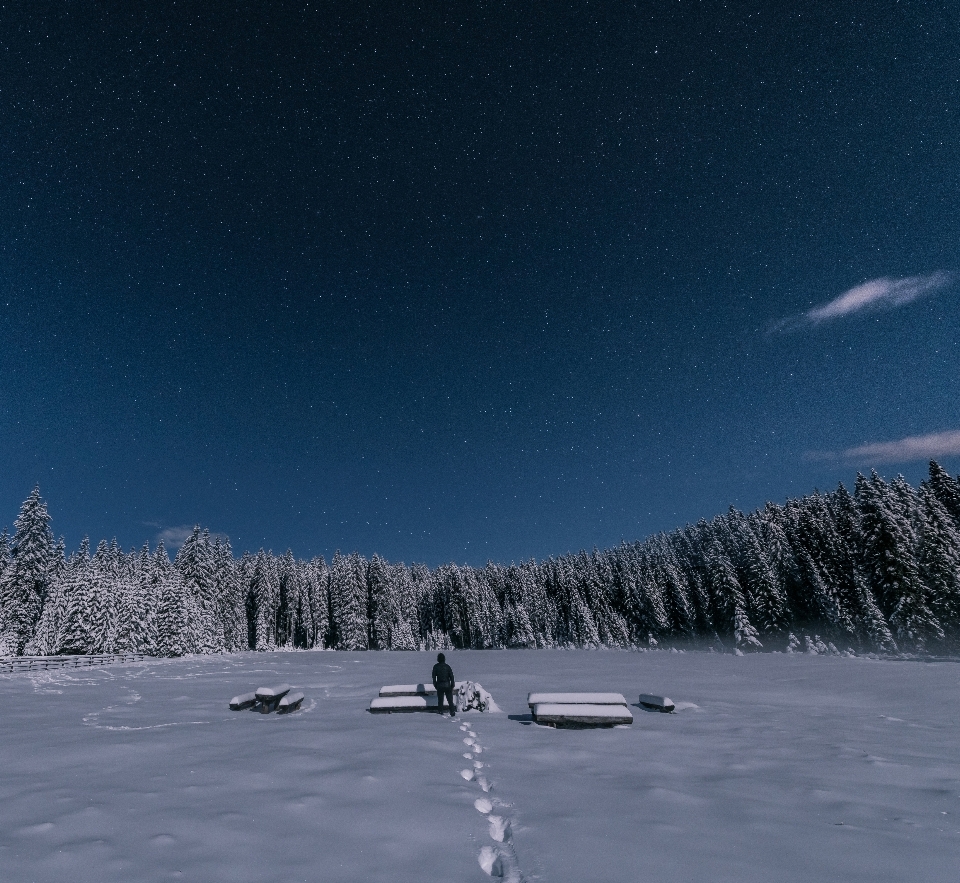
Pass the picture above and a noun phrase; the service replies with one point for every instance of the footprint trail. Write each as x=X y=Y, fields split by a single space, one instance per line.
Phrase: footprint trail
x=498 y=860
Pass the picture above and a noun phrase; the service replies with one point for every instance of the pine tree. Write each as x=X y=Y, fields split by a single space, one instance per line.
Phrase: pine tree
x=173 y=605
x=892 y=565
x=939 y=557
x=348 y=602
x=74 y=631
x=946 y=490
x=26 y=579
x=729 y=602
x=767 y=595
x=318 y=579
x=195 y=563
x=380 y=612
x=518 y=630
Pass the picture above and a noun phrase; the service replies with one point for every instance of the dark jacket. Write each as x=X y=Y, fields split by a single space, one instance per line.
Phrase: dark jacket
x=443 y=676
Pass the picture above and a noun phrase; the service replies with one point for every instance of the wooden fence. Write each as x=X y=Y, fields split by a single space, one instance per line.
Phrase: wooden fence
x=17 y=664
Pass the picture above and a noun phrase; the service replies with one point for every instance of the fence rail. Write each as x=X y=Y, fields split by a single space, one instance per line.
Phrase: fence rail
x=17 y=664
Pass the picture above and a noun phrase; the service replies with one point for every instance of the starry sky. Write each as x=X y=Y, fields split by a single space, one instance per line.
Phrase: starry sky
x=470 y=280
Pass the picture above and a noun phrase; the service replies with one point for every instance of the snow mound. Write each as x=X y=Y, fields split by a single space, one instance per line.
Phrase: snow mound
x=474 y=698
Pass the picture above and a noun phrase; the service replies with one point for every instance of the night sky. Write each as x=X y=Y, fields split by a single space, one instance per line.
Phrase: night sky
x=464 y=280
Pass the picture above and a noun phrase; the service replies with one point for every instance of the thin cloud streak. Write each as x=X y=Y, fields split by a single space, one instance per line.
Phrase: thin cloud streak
x=175 y=537
x=933 y=446
x=876 y=294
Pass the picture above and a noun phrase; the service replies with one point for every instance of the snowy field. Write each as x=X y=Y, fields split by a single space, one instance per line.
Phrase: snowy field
x=775 y=767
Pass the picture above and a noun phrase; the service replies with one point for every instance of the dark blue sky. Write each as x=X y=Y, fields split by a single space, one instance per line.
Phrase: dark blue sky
x=459 y=281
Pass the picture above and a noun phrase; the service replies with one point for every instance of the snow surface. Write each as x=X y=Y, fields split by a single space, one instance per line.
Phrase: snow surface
x=774 y=767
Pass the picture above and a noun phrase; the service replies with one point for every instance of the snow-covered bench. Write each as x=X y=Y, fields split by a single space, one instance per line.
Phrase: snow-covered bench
x=245 y=700
x=391 y=704
x=278 y=698
x=579 y=709
x=557 y=714
x=290 y=702
x=415 y=689
x=576 y=698
x=656 y=703
x=410 y=697
x=269 y=697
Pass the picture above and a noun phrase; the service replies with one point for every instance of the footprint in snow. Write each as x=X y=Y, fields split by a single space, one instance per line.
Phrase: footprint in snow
x=499 y=828
x=467 y=774
x=482 y=805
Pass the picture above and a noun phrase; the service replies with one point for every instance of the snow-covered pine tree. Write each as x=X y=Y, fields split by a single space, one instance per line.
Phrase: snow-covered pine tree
x=381 y=605
x=104 y=573
x=687 y=548
x=767 y=592
x=75 y=629
x=822 y=565
x=348 y=601
x=531 y=587
x=318 y=597
x=576 y=625
x=26 y=579
x=640 y=597
x=674 y=589
x=939 y=557
x=597 y=586
x=303 y=628
x=946 y=489
x=174 y=607
x=729 y=604
x=454 y=603
x=518 y=631
x=195 y=563
x=286 y=623
x=891 y=562
x=230 y=596
x=846 y=556
x=135 y=630
x=404 y=614
x=46 y=638
x=261 y=603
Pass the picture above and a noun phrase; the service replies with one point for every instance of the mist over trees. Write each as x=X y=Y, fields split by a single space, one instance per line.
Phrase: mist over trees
x=875 y=570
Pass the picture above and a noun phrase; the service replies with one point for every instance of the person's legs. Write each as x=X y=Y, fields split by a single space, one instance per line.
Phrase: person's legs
x=439 y=701
x=449 y=693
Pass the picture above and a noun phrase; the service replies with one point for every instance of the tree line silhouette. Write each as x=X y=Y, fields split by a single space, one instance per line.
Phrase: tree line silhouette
x=876 y=570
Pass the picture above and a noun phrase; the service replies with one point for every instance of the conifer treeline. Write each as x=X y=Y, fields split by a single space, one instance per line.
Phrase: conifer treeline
x=876 y=570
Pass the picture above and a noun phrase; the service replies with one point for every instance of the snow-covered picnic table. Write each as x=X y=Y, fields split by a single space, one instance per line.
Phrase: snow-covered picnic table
x=579 y=709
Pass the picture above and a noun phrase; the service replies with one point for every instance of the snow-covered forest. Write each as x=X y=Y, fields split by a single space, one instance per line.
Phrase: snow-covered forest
x=875 y=570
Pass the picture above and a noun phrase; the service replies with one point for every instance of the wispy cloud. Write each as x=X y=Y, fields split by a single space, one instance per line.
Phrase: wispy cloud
x=914 y=447
x=877 y=294
x=175 y=537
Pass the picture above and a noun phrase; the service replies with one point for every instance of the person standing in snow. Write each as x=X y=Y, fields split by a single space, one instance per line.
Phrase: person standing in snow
x=444 y=682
